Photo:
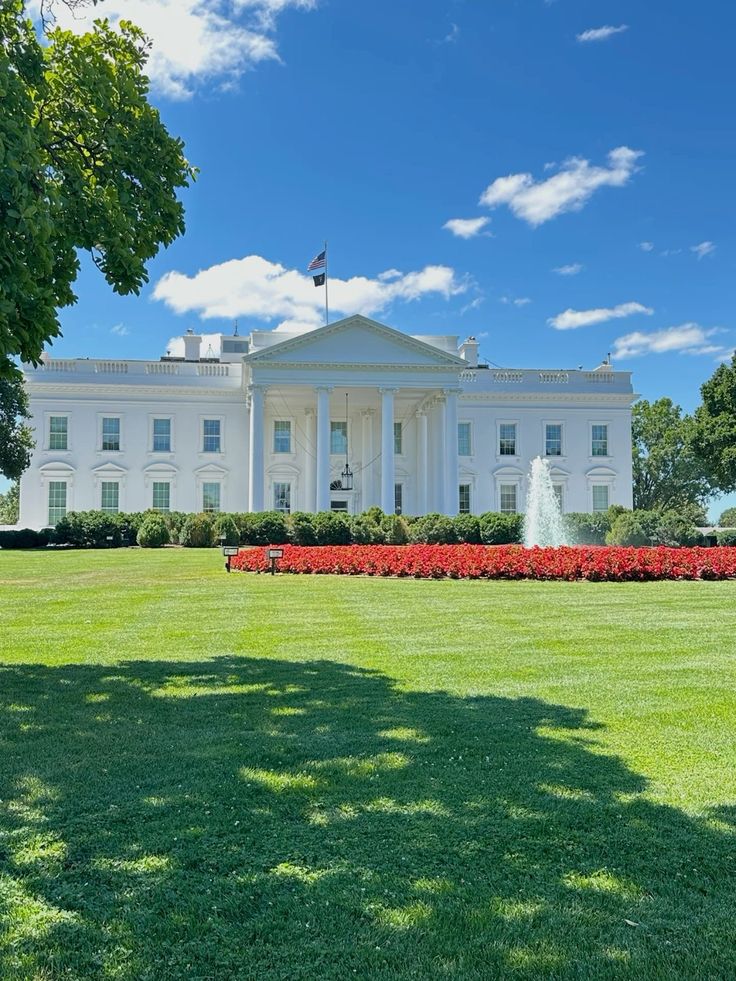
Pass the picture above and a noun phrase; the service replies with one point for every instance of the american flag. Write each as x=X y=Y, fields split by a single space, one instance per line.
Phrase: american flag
x=318 y=262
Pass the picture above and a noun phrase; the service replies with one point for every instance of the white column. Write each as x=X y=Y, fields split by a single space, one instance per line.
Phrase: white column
x=323 y=448
x=310 y=463
x=255 y=450
x=422 y=461
x=451 y=465
x=369 y=464
x=440 y=441
x=387 y=450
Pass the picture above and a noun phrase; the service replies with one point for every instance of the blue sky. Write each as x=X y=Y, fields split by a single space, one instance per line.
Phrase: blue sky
x=594 y=139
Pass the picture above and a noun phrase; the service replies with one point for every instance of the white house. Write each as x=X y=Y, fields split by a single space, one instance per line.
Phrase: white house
x=274 y=420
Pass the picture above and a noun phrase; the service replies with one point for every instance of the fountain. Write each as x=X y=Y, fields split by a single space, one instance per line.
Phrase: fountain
x=543 y=524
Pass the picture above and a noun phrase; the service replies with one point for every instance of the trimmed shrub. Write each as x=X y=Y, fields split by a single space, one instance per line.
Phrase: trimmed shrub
x=627 y=530
x=226 y=528
x=395 y=530
x=365 y=531
x=269 y=528
x=676 y=530
x=467 y=528
x=433 y=529
x=301 y=529
x=332 y=528
x=25 y=538
x=588 y=529
x=727 y=537
x=501 y=529
x=198 y=531
x=153 y=532
x=89 y=529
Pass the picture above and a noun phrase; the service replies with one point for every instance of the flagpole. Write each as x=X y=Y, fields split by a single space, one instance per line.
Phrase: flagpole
x=327 y=305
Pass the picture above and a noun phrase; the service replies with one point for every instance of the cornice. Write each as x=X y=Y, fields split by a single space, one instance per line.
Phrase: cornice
x=494 y=399
x=173 y=392
x=352 y=366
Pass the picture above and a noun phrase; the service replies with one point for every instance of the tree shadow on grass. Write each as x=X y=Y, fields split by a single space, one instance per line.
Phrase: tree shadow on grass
x=243 y=818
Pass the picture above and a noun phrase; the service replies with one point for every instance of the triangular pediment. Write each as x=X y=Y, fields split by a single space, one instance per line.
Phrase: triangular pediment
x=355 y=340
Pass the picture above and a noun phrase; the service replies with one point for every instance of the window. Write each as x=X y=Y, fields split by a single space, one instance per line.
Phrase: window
x=398 y=438
x=557 y=488
x=57 y=500
x=339 y=438
x=600 y=497
x=111 y=434
x=553 y=439
x=161 y=495
x=58 y=433
x=599 y=440
x=507 y=439
x=508 y=498
x=211 y=436
x=210 y=496
x=282 y=497
x=398 y=498
x=463 y=439
x=464 y=499
x=162 y=435
x=282 y=438
x=110 y=496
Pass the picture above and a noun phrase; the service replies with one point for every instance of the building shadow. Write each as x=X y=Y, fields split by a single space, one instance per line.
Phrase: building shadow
x=253 y=818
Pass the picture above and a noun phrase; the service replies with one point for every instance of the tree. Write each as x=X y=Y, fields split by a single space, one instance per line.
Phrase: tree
x=667 y=472
x=728 y=518
x=85 y=165
x=9 y=505
x=715 y=427
x=16 y=440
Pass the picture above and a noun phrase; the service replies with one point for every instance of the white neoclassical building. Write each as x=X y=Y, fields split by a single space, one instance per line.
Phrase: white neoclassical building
x=276 y=418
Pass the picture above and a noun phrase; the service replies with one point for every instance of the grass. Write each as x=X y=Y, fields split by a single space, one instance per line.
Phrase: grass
x=229 y=777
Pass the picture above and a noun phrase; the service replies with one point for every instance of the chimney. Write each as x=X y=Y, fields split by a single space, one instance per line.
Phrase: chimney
x=469 y=351
x=192 y=344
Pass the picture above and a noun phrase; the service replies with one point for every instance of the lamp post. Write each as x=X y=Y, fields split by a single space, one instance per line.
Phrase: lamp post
x=346 y=477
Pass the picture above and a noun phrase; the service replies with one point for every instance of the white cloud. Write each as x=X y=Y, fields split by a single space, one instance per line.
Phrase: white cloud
x=473 y=305
x=569 y=190
x=521 y=301
x=689 y=338
x=267 y=291
x=601 y=33
x=646 y=246
x=466 y=227
x=703 y=249
x=193 y=41
x=120 y=330
x=452 y=35
x=572 y=319
x=570 y=270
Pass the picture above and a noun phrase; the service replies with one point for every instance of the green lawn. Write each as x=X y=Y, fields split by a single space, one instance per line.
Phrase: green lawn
x=234 y=777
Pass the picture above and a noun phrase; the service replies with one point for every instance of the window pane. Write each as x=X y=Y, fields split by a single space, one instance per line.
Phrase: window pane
x=282 y=497
x=282 y=437
x=464 y=499
x=600 y=440
x=211 y=436
x=162 y=435
x=600 y=497
x=57 y=500
x=339 y=438
x=58 y=426
x=161 y=495
x=110 y=496
x=111 y=433
x=463 y=438
x=507 y=439
x=553 y=440
x=211 y=496
x=398 y=438
x=398 y=498
x=508 y=498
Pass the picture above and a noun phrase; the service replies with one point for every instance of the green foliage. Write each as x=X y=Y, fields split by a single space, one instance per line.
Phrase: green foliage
x=225 y=526
x=627 y=529
x=728 y=518
x=395 y=529
x=332 y=528
x=198 y=531
x=16 y=438
x=501 y=529
x=25 y=538
x=727 y=537
x=301 y=529
x=365 y=531
x=269 y=528
x=467 y=528
x=87 y=165
x=9 y=505
x=154 y=531
x=433 y=529
x=667 y=472
x=89 y=529
x=586 y=528
x=715 y=428
x=675 y=529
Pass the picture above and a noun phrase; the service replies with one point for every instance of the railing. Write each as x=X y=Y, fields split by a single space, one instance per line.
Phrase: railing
x=554 y=377
x=508 y=377
x=600 y=377
x=49 y=365
x=213 y=370
x=162 y=368
x=110 y=367
x=468 y=376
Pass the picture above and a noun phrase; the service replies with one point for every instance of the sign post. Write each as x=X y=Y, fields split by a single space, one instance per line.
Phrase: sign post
x=228 y=551
x=273 y=555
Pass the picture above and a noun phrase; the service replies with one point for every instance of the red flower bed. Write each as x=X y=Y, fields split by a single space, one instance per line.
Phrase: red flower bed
x=499 y=562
